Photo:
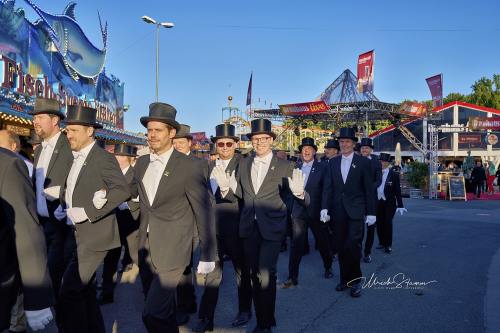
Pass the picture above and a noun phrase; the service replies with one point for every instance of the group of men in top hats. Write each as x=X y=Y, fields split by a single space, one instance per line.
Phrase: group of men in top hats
x=83 y=205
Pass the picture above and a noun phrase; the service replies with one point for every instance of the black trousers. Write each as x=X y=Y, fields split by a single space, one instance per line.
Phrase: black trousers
x=261 y=257
x=232 y=245
x=113 y=257
x=478 y=187
x=385 y=214
x=77 y=296
x=60 y=249
x=159 y=311
x=370 y=237
x=186 y=296
x=321 y=232
x=348 y=239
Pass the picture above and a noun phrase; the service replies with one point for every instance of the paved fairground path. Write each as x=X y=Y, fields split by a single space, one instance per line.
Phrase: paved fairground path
x=450 y=249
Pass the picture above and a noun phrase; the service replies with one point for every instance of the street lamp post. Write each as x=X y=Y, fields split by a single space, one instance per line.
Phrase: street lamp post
x=167 y=25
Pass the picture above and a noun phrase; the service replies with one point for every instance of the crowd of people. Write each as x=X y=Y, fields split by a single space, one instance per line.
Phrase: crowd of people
x=83 y=206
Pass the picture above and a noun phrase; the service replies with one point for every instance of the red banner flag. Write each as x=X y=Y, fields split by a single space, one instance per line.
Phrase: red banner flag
x=249 y=92
x=365 y=71
x=435 y=84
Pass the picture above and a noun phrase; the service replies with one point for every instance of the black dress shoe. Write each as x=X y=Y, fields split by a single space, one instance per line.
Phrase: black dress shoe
x=388 y=249
x=367 y=259
x=105 y=298
x=328 y=273
x=356 y=290
x=290 y=283
x=257 y=329
x=241 y=319
x=204 y=325
x=341 y=287
x=182 y=318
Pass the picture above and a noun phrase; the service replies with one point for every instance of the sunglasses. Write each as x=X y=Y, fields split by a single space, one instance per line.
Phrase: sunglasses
x=222 y=144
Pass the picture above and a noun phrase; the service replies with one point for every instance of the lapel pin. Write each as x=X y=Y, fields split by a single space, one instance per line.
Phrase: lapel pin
x=56 y=151
x=166 y=173
x=272 y=167
x=353 y=165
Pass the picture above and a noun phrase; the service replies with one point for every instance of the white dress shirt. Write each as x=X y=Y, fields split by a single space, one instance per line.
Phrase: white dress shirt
x=79 y=158
x=345 y=165
x=124 y=170
x=380 y=189
x=260 y=166
x=213 y=182
x=306 y=170
x=154 y=172
x=41 y=173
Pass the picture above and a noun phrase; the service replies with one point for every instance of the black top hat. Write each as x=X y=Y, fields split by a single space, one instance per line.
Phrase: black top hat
x=161 y=112
x=47 y=106
x=307 y=141
x=125 y=150
x=82 y=115
x=332 y=143
x=385 y=157
x=183 y=132
x=261 y=126
x=366 y=142
x=347 y=133
x=225 y=131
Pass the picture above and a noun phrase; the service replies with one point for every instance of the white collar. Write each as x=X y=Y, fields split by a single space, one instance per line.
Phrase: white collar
x=163 y=158
x=348 y=157
x=84 y=152
x=53 y=140
x=266 y=159
x=310 y=163
x=124 y=171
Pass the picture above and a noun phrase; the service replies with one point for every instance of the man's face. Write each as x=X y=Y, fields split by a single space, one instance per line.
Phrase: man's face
x=159 y=136
x=123 y=161
x=346 y=146
x=307 y=153
x=331 y=152
x=365 y=151
x=45 y=125
x=262 y=143
x=79 y=136
x=225 y=148
x=6 y=142
x=182 y=145
x=478 y=163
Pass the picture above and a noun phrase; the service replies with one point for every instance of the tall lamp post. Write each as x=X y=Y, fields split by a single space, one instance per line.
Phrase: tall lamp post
x=149 y=20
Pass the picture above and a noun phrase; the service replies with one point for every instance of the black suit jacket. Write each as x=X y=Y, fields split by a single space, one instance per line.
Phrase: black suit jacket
x=376 y=171
x=310 y=208
x=269 y=204
x=100 y=171
x=183 y=202
x=392 y=190
x=227 y=210
x=356 y=196
x=58 y=169
x=22 y=242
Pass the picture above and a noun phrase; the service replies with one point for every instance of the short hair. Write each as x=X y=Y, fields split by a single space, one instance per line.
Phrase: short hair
x=13 y=138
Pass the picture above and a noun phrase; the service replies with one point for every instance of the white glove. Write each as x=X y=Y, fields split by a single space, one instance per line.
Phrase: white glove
x=401 y=210
x=76 y=215
x=225 y=180
x=123 y=206
x=59 y=213
x=296 y=183
x=323 y=216
x=205 y=267
x=99 y=199
x=39 y=319
x=370 y=219
x=52 y=193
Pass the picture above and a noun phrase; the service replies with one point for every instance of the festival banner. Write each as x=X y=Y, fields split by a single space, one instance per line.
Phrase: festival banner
x=469 y=138
x=482 y=123
x=365 y=71
x=413 y=109
x=304 y=108
x=249 y=91
x=435 y=84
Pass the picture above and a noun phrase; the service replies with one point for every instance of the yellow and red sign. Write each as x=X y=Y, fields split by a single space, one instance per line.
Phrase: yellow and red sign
x=299 y=109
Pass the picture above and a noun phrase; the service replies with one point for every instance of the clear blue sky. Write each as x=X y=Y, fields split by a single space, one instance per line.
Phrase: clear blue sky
x=295 y=49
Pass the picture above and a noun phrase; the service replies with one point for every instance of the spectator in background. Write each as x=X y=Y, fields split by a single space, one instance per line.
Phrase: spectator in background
x=10 y=140
x=478 y=177
x=490 y=177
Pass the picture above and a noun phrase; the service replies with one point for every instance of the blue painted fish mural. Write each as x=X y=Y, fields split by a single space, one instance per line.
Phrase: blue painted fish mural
x=80 y=56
